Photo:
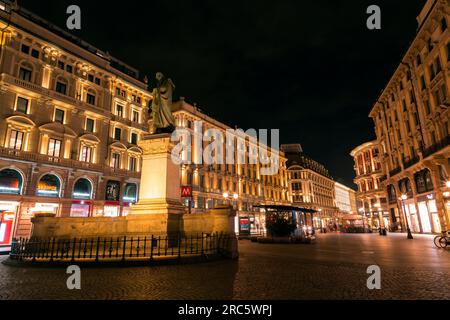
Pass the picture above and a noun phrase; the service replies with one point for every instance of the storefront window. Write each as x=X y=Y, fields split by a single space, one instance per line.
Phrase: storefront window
x=82 y=189
x=130 y=193
x=423 y=181
x=49 y=186
x=391 y=194
x=10 y=182
x=112 y=191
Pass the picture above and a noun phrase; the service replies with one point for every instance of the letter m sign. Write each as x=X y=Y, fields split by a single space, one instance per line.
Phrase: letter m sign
x=186 y=191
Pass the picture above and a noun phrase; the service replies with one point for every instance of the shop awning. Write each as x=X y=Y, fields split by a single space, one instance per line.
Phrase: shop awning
x=352 y=217
x=284 y=208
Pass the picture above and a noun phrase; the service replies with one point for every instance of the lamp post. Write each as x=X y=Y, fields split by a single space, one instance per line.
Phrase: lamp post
x=403 y=198
x=363 y=213
x=230 y=198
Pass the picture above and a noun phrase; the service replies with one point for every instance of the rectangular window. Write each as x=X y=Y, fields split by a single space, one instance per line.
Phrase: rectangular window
x=423 y=83
x=117 y=133
x=61 y=87
x=115 y=160
x=25 y=49
x=59 y=115
x=134 y=138
x=35 y=53
x=97 y=81
x=90 y=98
x=90 y=78
x=22 y=105
x=133 y=164
x=61 y=65
x=90 y=125
x=69 y=68
x=16 y=140
x=25 y=74
x=119 y=110
x=85 y=154
x=135 y=116
x=54 y=148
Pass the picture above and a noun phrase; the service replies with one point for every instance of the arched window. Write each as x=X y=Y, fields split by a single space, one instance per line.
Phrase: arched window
x=423 y=181
x=10 y=182
x=130 y=194
x=82 y=189
x=49 y=186
x=405 y=187
x=391 y=194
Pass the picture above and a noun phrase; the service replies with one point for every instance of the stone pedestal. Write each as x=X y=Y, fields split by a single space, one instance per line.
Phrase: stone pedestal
x=159 y=209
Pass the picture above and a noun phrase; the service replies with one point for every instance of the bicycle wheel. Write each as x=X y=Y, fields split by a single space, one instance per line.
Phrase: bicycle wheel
x=443 y=242
x=437 y=241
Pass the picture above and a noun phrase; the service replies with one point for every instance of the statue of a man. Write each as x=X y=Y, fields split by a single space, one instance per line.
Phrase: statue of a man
x=163 y=120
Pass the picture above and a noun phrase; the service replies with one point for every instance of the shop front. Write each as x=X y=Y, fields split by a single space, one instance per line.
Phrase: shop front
x=130 y=197
x=8 y=216
x=82 y=205
x=112 y=197
x=428 y=214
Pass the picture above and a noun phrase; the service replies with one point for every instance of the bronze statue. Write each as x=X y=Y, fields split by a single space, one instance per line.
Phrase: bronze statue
x=163 y=120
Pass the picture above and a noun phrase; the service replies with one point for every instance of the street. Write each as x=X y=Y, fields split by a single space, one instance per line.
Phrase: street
x=333 y=268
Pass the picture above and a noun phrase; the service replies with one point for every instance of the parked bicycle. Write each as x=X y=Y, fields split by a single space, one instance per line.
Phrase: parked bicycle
x=443 y=240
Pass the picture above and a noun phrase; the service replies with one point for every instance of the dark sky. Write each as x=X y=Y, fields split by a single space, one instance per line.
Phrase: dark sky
x=309 y=68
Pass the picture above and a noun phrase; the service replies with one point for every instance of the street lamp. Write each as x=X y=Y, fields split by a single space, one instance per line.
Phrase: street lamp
x=227 y=196
x=363 y=213
x=403 y=198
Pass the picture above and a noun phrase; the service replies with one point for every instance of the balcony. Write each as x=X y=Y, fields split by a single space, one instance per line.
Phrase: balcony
x=395 y=171
x=436 y=147
x=68 y=163
x=411 y=162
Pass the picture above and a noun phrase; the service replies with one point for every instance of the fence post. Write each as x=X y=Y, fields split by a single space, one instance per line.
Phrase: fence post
x=124 y=248
x=151 y=249
x=202 y=244
x=74 y=248
x=53 y=247
x=98 y=248
x=179 y=246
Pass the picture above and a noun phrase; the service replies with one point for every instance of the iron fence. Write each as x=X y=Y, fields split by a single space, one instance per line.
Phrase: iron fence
x=126 y=248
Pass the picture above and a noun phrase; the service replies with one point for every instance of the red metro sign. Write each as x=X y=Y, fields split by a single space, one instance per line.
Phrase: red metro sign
x=186 y=191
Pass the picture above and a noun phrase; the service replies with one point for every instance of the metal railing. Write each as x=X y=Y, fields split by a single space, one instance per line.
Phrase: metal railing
x=36 y=157
x=120 y=249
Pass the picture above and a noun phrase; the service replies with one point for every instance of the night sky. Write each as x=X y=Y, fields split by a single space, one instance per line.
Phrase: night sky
x=309 y=68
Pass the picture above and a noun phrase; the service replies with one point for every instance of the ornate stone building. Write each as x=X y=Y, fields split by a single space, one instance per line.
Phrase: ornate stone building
x=311 y=186
x=245 y=186
x=70 y=119
x=371 y=195
x=411 y=119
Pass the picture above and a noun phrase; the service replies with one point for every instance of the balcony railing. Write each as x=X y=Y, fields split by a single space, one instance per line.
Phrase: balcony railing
x=70 y=163
x=411 y=162
x=437 y=147
x=395 y=171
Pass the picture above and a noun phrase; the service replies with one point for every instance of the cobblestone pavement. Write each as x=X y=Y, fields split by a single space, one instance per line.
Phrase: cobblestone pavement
x=333 y=268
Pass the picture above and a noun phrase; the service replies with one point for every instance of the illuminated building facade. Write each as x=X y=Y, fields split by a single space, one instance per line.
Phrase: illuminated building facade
x=311 y=186
x=244 y=184
x=371 y=195
x=411 y=119
x=70 y=119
